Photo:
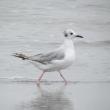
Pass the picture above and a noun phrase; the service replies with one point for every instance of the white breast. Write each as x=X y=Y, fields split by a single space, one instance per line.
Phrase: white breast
x=69 y=56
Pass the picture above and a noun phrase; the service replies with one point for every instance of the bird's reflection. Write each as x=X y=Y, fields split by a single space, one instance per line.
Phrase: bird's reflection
x=48 y=100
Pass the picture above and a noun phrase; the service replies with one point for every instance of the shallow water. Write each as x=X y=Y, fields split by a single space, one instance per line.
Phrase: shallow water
x=27 y=96
x=47 y=19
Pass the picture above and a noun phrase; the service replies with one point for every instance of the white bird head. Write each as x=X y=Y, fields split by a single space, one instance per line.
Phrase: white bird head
x=69 y=33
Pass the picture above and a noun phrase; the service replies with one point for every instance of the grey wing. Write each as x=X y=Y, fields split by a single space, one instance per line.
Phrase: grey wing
x=47 y=58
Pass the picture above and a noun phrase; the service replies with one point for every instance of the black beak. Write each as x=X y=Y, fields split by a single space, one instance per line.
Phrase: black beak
x=79 y=36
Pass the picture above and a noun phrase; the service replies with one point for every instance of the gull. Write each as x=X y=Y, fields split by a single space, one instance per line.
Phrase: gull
x=56 y=60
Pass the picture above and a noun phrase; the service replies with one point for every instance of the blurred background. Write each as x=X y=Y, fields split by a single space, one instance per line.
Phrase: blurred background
x=37 y=26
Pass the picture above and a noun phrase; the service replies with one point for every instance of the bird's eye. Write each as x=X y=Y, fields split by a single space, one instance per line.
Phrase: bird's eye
x=71 y=33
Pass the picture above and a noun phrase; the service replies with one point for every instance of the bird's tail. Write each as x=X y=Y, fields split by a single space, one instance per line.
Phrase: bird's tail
x=22 y=56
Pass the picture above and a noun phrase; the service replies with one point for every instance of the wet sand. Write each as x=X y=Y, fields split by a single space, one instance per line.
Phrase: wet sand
x=54 y=96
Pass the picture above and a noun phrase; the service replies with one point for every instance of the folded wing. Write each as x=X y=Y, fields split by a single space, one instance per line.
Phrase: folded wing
x=47 y=58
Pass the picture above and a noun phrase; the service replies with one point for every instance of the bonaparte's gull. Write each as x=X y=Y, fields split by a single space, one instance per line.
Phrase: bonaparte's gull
x=56 y=60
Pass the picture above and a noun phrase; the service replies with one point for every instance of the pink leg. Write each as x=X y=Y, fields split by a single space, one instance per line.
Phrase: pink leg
x=39 y=79
x=63 y=77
